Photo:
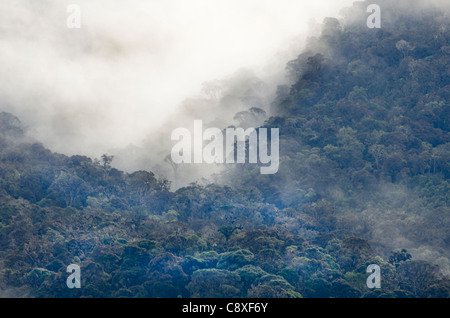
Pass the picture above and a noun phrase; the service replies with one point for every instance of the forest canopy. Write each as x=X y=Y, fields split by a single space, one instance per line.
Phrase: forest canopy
x=363 y=179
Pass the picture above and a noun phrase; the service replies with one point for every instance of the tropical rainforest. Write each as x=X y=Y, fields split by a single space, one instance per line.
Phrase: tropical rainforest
x=363 y=179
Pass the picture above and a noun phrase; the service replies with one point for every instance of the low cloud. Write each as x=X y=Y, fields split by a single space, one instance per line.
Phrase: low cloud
x=130 y=66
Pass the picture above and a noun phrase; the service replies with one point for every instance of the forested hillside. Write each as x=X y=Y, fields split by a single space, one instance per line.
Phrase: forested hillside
x=363 y=179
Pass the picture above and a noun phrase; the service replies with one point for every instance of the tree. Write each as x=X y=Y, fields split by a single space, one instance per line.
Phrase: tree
x=71 y=188
x=417 y=276
x=227 y=231
x=315 y=64
x=404 y=46
x=397 y=257
x=141 y=183
x=235 y=259
x=106 y=161
x=214 y=283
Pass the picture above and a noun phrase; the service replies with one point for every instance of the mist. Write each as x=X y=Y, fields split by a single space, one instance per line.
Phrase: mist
x=361 y=162
x=136 y=67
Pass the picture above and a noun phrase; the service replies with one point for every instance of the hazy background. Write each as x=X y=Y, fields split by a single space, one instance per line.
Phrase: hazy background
x=135 y=66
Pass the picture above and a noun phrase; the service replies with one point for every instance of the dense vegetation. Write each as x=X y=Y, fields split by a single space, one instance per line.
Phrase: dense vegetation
x=363 y=179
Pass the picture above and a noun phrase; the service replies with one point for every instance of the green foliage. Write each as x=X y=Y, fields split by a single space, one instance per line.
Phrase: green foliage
x=365 y=148
x=214 y=283
x=235 y=259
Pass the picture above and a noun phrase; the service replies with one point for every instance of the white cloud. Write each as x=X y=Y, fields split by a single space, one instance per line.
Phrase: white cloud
x=132 y=62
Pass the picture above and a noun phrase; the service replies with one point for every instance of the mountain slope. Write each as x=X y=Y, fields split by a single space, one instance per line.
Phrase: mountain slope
x=363 y=180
